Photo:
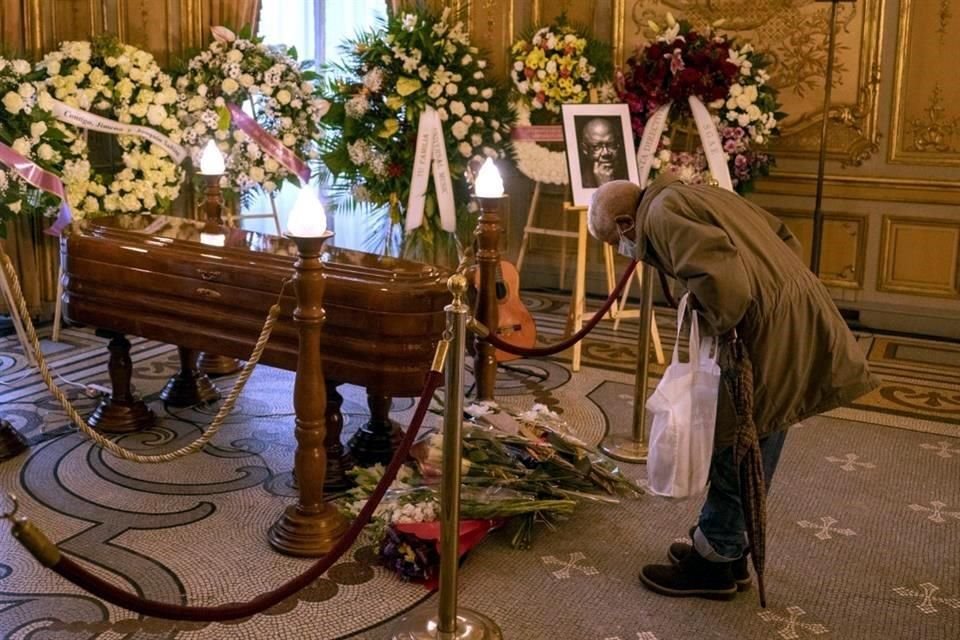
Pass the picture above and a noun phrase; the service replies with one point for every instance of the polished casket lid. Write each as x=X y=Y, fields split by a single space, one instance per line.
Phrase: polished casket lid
x=398 y=284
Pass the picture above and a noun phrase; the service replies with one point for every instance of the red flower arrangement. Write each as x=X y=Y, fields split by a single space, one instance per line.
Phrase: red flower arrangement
x=730 y=79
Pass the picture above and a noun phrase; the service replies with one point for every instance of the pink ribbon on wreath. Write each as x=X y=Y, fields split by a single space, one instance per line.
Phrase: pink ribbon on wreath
x=538 y=133
x=42 y=179
x=270 y=144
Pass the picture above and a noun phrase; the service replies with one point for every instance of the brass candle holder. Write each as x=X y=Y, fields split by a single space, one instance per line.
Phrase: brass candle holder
x=450 y=622
x=312 y=526
x=487 y=234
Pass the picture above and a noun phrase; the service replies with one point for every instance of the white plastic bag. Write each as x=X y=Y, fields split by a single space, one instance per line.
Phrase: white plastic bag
x=684 y=411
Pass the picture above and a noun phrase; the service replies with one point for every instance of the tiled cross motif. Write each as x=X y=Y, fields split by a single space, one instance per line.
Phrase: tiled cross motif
x=936 y=512
x=793 y=626
x=942 y=449
x=825 y=528
x=927 y=599
x=567 y=567
x=851 y=462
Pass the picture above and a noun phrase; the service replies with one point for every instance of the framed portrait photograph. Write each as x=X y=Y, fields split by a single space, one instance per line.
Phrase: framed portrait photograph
x=599 y=147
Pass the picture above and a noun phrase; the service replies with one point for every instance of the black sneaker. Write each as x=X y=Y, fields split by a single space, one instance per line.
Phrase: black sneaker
x=692 y=577
x=739 y=567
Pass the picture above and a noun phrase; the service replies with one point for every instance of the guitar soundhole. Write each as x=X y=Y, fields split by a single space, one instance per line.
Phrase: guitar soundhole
x=501 y=290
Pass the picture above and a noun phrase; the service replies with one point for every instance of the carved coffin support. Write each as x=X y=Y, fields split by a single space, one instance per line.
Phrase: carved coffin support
x=121 y=412
x=376 y=440
x=338 y=460
x=189 y=386
x=11 y=442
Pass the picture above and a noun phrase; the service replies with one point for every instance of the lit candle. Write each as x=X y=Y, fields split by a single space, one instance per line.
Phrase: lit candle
x=489 y=183
x=213 y=239
x=211 y=162
x=307 y=218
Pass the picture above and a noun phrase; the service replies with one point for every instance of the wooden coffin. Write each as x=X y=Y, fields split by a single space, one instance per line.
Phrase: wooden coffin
x=151 y=276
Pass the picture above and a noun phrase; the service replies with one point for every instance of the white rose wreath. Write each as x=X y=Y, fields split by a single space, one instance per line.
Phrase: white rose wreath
x=242 y=71
x=125 y=84
x=536 y=161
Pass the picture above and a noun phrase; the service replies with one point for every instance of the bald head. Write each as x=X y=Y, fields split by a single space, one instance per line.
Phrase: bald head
x=616 y=199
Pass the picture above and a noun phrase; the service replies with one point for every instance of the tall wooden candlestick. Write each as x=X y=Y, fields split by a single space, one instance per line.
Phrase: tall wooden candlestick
x=311 y=527
x=211 y=363
x=488 y=260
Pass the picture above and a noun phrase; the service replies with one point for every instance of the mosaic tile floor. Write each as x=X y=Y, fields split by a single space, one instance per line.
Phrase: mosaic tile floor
x=865 y=520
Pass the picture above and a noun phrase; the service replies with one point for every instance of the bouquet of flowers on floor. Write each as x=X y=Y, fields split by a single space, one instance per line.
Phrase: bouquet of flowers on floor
x=556 y=64
x=535 y=471
x=278 y=91
x=731 y=80
x=29 y=129
x=411 y=62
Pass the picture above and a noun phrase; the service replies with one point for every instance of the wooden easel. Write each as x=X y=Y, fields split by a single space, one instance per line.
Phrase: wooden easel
x=578 y=295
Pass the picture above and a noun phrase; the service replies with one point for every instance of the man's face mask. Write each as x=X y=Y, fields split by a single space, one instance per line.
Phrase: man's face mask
x=627 y=246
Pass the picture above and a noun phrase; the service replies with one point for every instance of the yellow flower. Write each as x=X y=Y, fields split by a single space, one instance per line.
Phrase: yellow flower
x=394 y=102
x=390 y=127
x=407 y=85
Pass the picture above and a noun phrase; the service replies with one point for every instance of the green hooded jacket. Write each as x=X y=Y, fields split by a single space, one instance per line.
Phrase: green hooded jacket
x=743 y=267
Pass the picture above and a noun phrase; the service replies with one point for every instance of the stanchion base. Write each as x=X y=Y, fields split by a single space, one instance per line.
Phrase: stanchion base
x=308 y=535
x=422 y=625
x=214 y=365
x=12 y=443
x=625 y=449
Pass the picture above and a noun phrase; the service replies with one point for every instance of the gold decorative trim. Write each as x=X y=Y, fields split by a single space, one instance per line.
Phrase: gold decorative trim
x=885 y=277
x=914 y=191
x=856 y=270
x=931 y=133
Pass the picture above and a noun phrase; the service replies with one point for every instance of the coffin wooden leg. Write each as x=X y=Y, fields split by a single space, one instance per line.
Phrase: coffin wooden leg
x=189 y=386
x=121 y=412
x=338 y=460
x=216 y=365
x=11 y=442
x=376 y=440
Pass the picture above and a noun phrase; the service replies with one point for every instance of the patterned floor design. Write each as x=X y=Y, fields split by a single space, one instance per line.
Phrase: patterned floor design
x=865 y=521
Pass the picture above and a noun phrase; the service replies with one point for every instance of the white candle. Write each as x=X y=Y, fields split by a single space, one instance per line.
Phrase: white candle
x=213 y=239
x=307 y=218
x=211 y=162
x=489 y=183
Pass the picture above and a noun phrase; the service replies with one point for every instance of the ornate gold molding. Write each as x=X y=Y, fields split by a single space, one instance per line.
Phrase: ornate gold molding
x=925 y=120
x=877 y=189
x=844 y=244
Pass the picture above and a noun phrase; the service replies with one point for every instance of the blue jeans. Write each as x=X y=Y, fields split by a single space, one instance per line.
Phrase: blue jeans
x=721 y=531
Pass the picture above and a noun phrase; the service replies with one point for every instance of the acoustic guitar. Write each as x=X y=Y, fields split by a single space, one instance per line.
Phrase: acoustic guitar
x=516 y=325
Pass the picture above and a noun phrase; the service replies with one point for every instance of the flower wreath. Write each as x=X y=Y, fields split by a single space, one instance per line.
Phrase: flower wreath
x=125 y=84
x=730 y=79
x=389 y=76
x=29 y=128
x=555 y=64
x=241 y=70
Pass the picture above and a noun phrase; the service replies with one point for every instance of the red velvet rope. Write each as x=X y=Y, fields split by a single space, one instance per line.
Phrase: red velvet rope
x=104 y=590
x=537 y=352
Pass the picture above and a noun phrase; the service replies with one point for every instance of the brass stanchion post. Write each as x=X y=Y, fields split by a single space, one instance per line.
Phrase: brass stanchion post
x=635 y=448
x=312 y=526
x=451 y=622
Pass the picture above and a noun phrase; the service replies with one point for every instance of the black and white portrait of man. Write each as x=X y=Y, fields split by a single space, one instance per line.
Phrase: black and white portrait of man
x=599 y=147
x=600 y=144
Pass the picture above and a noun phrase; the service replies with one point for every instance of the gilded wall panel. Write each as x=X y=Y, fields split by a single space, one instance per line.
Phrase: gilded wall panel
x=844 y=245
x=920 y=256
x=925 y=123
x=137 y=21
x=794 y=33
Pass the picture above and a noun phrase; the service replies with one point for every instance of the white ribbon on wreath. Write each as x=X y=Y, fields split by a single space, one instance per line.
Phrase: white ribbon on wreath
x=536 y=161
x=431 y=157
x=710 y=137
